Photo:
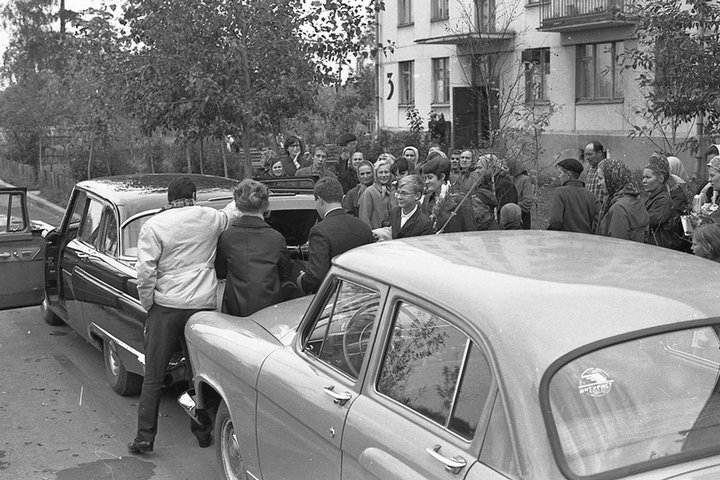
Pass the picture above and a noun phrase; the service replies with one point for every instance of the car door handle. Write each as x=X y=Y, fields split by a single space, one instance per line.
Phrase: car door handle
x=82 y=256
x=452 y=465
x=5 y=255
x=339 y=398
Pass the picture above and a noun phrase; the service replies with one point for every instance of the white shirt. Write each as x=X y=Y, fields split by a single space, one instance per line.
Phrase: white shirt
x=404 y=218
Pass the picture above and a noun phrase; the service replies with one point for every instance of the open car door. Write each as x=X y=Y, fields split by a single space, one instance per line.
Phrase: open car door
x=22 y=253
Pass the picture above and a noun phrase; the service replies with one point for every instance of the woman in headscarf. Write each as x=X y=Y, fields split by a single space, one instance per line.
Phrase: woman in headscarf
x=525 y=190
x=625 y=215
x=677 y=184
x=468 y=177
x=411 y=155
x=377 y=199
x=677 y=169
x=706 y=202
x=351 y=200
x=502 y=185
x=664 y=224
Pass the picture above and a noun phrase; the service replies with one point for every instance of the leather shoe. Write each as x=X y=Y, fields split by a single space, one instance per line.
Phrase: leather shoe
x=205 y=440
x=140 y=446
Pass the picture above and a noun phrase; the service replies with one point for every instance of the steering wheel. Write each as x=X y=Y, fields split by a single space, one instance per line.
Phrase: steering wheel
x=357 y=336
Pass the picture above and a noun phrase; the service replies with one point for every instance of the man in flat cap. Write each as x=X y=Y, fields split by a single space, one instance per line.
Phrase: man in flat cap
x=573 y=207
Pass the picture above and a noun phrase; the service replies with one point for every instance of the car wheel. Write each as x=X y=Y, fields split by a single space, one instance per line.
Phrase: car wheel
x=48 y=315
x=228 y=445
x=123 y=382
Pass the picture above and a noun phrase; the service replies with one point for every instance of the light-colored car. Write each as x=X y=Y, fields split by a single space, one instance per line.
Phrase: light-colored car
x=488 y=355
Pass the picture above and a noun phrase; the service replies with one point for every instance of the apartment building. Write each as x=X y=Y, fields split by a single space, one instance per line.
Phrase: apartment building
x=479 y=62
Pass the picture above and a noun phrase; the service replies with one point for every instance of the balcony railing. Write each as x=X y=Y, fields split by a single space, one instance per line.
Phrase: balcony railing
x=579 y=14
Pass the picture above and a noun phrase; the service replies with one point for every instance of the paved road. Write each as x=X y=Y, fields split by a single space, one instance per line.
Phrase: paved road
x=38 y=212
x=60 y=420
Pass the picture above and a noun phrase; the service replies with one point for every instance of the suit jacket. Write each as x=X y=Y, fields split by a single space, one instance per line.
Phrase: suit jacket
x=254 y=259
x=337 y=233
x=418 y=224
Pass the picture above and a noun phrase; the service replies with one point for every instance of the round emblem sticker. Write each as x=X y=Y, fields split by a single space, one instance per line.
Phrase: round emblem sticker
x=595 y=382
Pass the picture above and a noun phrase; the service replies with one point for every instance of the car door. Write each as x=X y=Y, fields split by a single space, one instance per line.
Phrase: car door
x=427 y=402
x=110 y=304
x=306 y=389
x=86 y=213
x=22 y=253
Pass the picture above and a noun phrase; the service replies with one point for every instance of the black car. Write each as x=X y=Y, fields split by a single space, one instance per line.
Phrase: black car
x=82 y=273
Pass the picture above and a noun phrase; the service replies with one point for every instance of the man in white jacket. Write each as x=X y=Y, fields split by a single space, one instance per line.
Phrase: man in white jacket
x=175 y=278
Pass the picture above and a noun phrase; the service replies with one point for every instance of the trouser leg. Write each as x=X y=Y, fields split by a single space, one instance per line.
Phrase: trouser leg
x=526 y=221
x=163 y=328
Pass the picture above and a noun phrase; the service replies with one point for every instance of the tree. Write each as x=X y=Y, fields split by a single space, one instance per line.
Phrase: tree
x=676 y=59
x=512 y=119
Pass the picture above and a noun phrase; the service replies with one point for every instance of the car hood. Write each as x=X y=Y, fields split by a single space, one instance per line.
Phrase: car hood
x=282 y=320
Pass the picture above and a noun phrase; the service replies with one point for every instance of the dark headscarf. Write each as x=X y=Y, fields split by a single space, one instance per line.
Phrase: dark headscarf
x=660 y=165
x=618 y=178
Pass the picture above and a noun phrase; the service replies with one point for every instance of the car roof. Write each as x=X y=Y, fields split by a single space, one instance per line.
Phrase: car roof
x=535 y=296
x=133 y=194
x=545 y=293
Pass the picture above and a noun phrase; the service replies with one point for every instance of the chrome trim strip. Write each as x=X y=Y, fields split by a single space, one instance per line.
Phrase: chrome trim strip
x=253 y=476
x=140 y=356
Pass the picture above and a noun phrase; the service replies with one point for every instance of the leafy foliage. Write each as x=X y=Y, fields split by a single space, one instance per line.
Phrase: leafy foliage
x=676 y=57
x=191 y=70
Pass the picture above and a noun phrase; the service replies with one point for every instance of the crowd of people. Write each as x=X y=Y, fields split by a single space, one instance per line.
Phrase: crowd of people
x=389 y=198
x=467 y=191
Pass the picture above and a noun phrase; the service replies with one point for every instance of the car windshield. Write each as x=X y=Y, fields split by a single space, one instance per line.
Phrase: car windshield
x=638 y=404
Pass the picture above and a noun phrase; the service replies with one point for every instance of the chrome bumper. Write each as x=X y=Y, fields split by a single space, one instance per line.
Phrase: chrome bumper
x=189 y=404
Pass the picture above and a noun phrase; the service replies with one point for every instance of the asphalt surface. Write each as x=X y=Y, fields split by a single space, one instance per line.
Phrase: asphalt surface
x=59 y=418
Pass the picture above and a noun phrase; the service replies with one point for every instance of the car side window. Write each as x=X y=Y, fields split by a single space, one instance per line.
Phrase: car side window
x=433 y=368
x=130 y=234
x=12 y=217
x=341 y=334
x=90 y=226
x=106 y=241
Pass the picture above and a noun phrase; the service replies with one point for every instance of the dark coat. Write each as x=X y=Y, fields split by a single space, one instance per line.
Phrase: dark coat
x=337 y=233
x=505 y=192
x=573 y=208
x=463 y=221
x=348 y=179
x=254 y=259
x=418 y=224
x=663 y=229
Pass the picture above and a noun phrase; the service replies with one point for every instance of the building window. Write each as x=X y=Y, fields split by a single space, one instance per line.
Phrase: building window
x=537 y=71
x=598 y=72
x=407 y=83
x=439 y=10
x=404 y=12
x=441 y=80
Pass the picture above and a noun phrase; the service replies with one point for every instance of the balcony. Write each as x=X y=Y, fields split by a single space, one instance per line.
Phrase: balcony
x=569 y=15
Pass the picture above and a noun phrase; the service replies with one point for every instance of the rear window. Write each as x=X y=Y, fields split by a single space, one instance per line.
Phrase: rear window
x=639 y=404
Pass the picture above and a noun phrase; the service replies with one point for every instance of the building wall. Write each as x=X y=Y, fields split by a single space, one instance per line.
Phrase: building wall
x=573 y=124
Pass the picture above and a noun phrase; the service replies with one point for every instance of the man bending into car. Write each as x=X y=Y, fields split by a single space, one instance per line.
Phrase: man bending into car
x=337 y=233
x=175 y=278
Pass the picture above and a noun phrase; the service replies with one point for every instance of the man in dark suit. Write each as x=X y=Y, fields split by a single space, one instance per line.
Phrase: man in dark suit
x=337 y=233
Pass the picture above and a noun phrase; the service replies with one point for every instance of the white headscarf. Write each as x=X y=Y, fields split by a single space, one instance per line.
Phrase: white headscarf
x=678 y=169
